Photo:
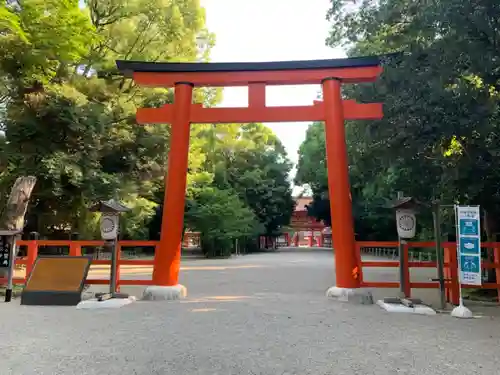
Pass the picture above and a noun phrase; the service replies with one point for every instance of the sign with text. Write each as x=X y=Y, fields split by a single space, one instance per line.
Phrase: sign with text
x=469 y=244
x=5 y=252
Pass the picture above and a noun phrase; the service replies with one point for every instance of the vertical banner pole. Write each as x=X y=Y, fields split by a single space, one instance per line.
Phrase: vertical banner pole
x=459 y=261
x=468 y=253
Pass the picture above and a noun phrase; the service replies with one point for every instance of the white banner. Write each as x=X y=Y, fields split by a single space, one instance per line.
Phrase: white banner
x=469 y=244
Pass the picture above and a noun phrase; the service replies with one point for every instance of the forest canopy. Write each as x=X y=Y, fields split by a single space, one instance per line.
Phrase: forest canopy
x=439 y=136
x=68 y=118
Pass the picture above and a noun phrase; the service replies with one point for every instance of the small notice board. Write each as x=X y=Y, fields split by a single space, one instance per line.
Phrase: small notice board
x=5 y=252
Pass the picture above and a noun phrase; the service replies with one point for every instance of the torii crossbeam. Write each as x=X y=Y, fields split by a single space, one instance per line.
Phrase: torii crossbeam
x=333 y=111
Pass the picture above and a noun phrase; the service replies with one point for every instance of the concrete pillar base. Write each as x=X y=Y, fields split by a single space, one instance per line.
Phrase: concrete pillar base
x=113 y=303
x=164 y=293
x=419 y=309
x=358 y=295
x=461 y=312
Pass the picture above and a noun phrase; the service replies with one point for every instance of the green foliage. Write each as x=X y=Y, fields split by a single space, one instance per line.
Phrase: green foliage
x=148 y=30
x=311 y=168
x=250 y=160
x=40 y=39
x=439 y=135
x=244 y=166
x=221 y=217
x=75 y=132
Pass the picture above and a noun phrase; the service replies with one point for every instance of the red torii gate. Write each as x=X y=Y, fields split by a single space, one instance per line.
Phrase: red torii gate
x=333 y=110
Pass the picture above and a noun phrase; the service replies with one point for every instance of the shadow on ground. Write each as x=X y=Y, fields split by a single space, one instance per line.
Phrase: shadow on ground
x=271 y=318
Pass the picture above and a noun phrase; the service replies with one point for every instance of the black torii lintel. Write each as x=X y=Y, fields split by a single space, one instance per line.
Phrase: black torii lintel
x=127 y=67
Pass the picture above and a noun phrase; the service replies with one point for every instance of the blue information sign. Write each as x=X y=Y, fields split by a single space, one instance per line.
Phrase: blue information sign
x=469 y=227
x=469 y=263
x=469 y=244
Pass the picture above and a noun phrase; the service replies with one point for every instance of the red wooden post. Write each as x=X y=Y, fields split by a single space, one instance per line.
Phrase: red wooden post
x=447 y=273
x=455 y=276
x=75 y=249
x=496 y=259
x=32 y=254
x=168 y=256
x=338 y=185
x=310 y=239
x=358 y=272
x=451 y=259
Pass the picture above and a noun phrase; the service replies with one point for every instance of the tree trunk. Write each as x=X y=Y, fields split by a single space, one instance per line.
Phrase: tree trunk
x=16 y=207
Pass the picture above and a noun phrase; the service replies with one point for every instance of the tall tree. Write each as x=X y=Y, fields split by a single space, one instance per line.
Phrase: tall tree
x=245 y=165
x=312 y=171
x=251 y=160
x=438 y=136
x=74 y=131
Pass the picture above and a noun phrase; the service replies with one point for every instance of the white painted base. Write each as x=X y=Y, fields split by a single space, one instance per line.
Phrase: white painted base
x=461 y=312
x=112 y=303
x=358 y=295
x=400 y=308
x=164 y=293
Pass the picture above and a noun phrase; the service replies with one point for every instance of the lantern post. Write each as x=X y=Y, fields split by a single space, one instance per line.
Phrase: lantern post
x=406 y=223
x=110 y=228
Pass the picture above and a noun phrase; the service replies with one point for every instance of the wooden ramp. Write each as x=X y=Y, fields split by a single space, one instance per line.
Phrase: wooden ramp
x=56 y=280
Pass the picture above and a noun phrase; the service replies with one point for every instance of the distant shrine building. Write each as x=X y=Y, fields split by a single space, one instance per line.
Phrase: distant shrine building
x=307 y=230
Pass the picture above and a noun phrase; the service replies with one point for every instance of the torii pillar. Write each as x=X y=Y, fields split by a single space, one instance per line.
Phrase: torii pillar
x=331 y=74
x=339 y=192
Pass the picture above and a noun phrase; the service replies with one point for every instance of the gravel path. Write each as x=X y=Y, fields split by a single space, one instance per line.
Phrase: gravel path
x=258 y=314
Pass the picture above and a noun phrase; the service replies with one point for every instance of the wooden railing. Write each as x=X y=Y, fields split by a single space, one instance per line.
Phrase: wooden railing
x=31 y=249
x=450 y=267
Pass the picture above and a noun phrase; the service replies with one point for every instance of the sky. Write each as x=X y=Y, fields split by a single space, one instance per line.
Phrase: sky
x=271 y=30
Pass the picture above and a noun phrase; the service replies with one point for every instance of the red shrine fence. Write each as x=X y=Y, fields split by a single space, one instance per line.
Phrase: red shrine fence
x=30 y=249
